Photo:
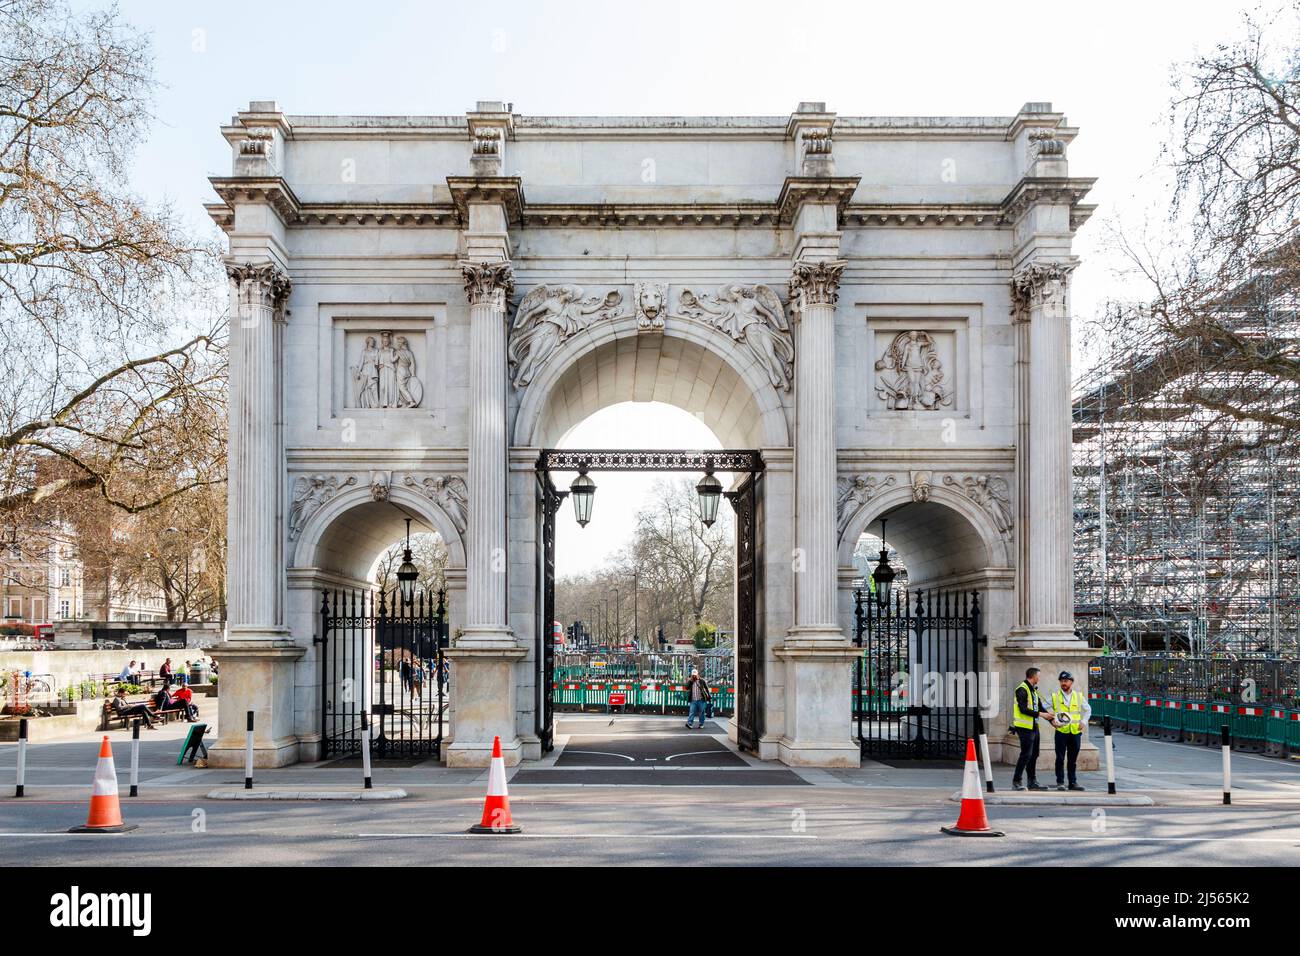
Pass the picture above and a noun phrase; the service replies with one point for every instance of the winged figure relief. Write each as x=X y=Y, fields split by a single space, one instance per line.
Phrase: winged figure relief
x=548 y=315
x=752 y=315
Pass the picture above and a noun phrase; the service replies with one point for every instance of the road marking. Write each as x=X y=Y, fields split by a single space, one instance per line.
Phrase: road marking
x=696 y=753
x=1295 y=841
x=601 y=753
x=601 y=836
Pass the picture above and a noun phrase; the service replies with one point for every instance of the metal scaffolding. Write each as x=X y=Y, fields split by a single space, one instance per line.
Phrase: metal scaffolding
x=1186 y=538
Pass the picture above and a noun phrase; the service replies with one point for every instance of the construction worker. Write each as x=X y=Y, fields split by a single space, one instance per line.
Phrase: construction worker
x=1026 y=707
x=1069 y=701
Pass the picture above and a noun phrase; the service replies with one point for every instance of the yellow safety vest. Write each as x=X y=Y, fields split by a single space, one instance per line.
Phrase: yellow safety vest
x=1020 y=718
x=1073 y=707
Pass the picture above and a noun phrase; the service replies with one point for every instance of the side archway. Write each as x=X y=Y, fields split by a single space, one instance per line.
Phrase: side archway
x=348 y=532
x=946 y=536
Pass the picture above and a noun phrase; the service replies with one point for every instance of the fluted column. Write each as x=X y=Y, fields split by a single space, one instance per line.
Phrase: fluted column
x=1041 y=293
x=487 y=286
x=258 y=293
x=813 y=293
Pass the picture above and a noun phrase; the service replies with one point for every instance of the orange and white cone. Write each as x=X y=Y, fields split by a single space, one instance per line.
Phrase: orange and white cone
x=496 y=808
x=105 y=811
x=972 y=821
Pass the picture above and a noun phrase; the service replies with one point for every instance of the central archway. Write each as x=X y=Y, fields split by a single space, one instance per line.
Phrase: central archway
x=706 y=373
x=695 y=367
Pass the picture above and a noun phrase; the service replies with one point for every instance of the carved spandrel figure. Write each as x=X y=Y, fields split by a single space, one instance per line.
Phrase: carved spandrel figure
x=992 y=493
x=913 y=374
x=852 y=493
x=547 y=316
x=752 y=315
x=365 y=375
x=308 y=495
x=449 y=492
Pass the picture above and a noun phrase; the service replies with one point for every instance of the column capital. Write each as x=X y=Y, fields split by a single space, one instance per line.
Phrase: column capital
x=490 y=283
x=260 y=283
x=1041 y=283
x=815 y=283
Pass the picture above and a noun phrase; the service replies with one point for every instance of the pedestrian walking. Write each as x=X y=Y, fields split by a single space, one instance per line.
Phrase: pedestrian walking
x=1068 y=736
x=697 y=692
x=1027 y=706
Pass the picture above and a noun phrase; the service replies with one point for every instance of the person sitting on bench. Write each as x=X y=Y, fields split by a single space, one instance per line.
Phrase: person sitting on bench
x=184 y=701
x=164 y=701
x=122 y=709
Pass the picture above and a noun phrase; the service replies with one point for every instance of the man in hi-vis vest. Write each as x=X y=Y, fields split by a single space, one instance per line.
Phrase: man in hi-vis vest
x=1026 y=706
x=1069 y=701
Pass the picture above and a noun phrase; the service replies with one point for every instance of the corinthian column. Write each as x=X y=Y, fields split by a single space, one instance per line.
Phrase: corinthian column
x=487 y=286
x=1041 y=298
x=813 y=294
x=258 y=293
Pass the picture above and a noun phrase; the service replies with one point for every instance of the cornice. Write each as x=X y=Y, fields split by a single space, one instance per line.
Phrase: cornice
x=271 y=190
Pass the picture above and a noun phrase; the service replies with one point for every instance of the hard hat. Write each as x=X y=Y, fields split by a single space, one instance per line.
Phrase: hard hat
x=1065 y=675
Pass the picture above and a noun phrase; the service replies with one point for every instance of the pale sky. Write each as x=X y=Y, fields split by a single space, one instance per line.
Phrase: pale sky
x=1106 y=65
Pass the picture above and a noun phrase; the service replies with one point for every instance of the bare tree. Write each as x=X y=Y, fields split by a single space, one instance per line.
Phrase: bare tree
x=111 y=352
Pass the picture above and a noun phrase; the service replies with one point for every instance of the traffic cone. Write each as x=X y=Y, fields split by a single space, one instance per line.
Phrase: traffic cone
x=496 y=808
x=105 y=811
x=972 y=821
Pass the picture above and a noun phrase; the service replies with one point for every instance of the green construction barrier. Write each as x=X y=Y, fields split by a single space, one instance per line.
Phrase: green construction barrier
x=1276 y=719
x=1170 y=720
x=1098 y=704
x=1293 y=731
x=568 y=694
x=1150 y=715
x=1197 y=722
x=1248 y=727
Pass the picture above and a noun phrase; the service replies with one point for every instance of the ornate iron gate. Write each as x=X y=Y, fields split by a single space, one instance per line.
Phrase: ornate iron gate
x=916 y=687
x=549 y=500
x=745 y=501
x=382 y=661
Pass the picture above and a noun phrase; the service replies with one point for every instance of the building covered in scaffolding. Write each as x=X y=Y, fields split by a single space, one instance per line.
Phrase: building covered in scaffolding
x=1187 y=520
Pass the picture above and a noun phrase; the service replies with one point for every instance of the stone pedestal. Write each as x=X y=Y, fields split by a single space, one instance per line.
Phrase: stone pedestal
x=817 y=731
x=483 y=687
x=1050 y=657
x=256 y=675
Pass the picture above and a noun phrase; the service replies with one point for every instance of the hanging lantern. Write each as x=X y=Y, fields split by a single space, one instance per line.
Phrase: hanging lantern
x=710 y=491
x=884 y=574
x=407 y=574
x=583 y=491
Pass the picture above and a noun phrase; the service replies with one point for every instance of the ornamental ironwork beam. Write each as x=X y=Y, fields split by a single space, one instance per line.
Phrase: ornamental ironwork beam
x=552 y=459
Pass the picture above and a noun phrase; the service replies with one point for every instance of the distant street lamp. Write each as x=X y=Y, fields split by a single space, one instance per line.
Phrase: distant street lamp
x=583 y=490
x=710 y=492
x=884 y=576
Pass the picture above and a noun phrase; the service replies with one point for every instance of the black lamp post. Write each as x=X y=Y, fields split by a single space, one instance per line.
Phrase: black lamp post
x=710 y=491
x=884 y=575
x=407 y=573
x=583 y=490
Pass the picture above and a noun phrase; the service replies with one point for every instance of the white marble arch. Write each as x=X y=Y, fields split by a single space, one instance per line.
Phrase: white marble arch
x=947 y=517
x=754 y=416
x=339 y=537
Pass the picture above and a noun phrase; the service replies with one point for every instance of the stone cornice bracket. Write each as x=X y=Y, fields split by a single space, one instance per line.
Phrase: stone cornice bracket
x=508 y=191
x=260 y=283
x=270 y=190
x=798 y=190
x=815 y=283
x=1040 y=283
x=490 y=283
x=1061 y=191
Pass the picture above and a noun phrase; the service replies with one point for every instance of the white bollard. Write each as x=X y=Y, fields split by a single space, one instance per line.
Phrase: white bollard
x=135 y=760
x=1110 y=755
x=248 y=754
x=22 y=756
x=1226 y=737
x=365 y=748
x=984 y=754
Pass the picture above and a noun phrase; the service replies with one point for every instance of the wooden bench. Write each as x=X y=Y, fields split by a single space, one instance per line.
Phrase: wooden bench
x=111 y=715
